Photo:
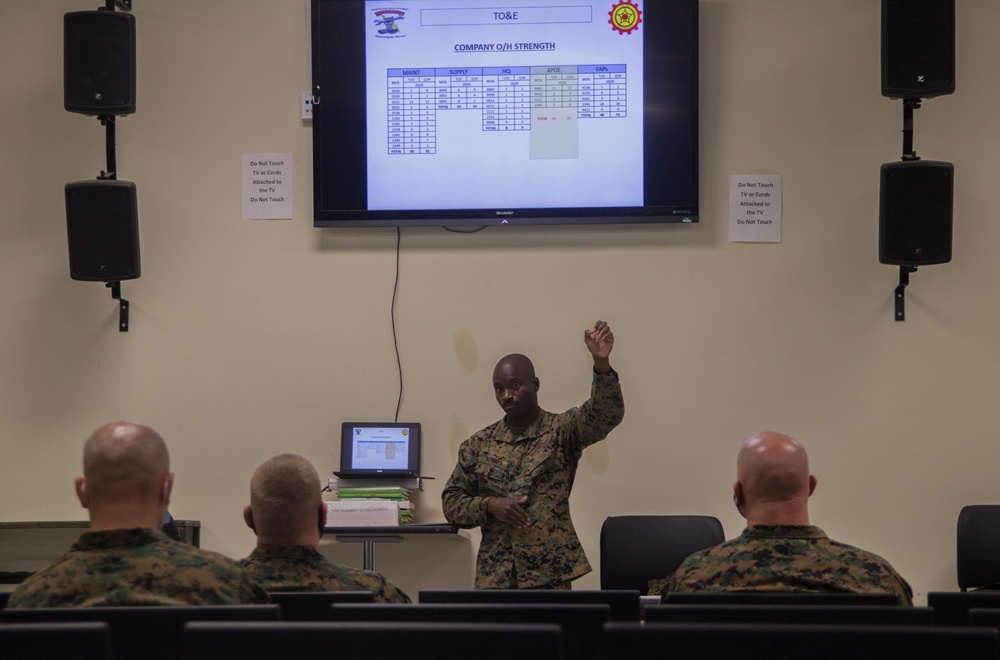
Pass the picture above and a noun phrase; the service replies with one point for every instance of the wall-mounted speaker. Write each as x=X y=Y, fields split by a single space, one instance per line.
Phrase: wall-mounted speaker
x=102 y=222
x=915 y=213
x=918 y=48
x=99 y=62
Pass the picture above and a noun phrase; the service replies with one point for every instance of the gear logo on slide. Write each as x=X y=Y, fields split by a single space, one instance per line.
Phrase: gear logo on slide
x=625 y=17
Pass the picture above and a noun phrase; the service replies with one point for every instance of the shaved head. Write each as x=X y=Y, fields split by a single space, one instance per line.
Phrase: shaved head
x=285 y=498
x=516 y=363
x=772 y=472
x=122 y=459
x=126 y=478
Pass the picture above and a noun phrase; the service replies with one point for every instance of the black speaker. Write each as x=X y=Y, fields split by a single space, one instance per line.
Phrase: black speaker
x=102 y=222
x=918 y=48
x=99 y=62
x=915 y=213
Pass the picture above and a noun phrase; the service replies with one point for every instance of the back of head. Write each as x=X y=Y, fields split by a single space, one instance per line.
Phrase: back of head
x=126 y=470
x=773 y=471
x=285 y=499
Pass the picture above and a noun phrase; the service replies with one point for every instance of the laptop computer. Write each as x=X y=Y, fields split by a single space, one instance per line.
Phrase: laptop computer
x=379 y=450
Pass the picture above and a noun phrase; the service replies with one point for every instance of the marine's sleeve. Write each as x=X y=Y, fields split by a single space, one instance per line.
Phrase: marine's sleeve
x=461 y=502
x=603 y=411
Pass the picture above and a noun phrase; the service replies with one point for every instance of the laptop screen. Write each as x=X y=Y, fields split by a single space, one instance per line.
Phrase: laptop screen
x=380 y=448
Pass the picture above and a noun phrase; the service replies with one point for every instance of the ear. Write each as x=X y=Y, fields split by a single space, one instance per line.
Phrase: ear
x=537 y=383
x=248 y=518
x=81 y=492
x=738 y=498
x=812 y=484
x=168 y=488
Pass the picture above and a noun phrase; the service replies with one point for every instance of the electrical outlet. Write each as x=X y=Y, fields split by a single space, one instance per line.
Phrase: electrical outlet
x=307 y=105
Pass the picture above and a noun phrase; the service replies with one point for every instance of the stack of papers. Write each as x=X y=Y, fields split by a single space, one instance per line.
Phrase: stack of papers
x=356 y=500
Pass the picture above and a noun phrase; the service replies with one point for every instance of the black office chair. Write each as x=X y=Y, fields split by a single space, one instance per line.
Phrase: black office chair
x=637 y=549
x=624 y=603
x=697 y=641
x=776 y=598
x=143 y=632
x=884 y=615
x=951 y=608
x=367 y=641
x=581 y=623
x=315 y=605
x=55 y=641
x=979 y=547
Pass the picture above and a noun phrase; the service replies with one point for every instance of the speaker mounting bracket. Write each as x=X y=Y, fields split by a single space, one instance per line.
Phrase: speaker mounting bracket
x=116 y=293
x=904 y=279
x=909 y=105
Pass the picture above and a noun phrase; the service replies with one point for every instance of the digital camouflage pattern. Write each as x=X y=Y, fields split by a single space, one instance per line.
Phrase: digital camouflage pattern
x=137 y=566
x=541 y=463
x=299 y=568
x=785 y=558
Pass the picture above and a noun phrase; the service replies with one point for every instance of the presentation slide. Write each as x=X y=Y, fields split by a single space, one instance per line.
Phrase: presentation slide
x=545 y=99
x=381 y=449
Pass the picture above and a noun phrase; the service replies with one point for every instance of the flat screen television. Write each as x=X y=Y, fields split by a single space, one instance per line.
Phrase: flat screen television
x=479 y=112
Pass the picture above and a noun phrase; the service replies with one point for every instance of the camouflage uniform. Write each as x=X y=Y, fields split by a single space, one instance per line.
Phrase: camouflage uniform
x=137 y=566
x=541 y=463
x=786 y=558
x=299 y=568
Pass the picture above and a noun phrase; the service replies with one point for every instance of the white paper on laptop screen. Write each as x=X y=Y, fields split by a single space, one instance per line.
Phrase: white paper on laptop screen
x=381 y=449
x=477 y=104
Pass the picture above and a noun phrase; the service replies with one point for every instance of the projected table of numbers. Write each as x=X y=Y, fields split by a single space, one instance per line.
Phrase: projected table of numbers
x=508 y=98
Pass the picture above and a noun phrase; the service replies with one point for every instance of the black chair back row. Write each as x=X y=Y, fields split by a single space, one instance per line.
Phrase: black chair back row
x=315 y=605
x=55 y=641
x=697 y=641
x=137 y=632
x=581 y=624
x=777 y=598
x=624 y=604
x=951 y=608
x=365 y=641
x=883 y=615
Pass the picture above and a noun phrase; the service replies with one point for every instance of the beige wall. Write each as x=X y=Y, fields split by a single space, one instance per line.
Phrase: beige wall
x=253 y=338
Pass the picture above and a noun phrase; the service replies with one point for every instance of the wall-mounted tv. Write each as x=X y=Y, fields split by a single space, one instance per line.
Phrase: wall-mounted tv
x=517 y=112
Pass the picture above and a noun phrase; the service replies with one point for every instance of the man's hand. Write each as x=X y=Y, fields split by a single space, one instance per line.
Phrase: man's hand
x=599 y=342
x=509 y=510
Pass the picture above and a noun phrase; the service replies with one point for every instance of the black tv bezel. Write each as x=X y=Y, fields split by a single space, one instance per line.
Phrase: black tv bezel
x=348 y=181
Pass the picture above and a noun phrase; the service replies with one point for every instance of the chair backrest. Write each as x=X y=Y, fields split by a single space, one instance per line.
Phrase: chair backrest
x=624 y=603
x=365 y=641
x=143 y=632
x=637 y=549
x=978 y=541
x=581 y=623
x=951 y=608
x=315 y=605
x=984 y=618
x=884 y=615
x=696 y=641
x=55 y=641
x=776 y=598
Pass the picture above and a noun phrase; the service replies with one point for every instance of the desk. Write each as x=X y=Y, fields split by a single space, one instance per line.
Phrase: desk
x=29 y=545
x=369 y=536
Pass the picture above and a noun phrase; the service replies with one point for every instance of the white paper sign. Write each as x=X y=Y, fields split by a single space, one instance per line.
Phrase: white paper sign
x=267 y=186
x=755 y=208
